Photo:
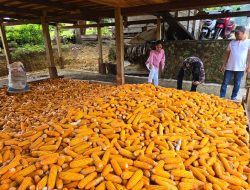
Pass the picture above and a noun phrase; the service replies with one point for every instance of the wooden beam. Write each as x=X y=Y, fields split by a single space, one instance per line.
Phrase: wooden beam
x=58 y=45
x=158 y=31
x=13 y=23
x=5 y=44
x=176 y=26
x=101 y=66
x=179 y=5
x=214 y=16
x=148 y=21
x=54 y=5
x=19 y=10
x=119 y=46
x=48 y=48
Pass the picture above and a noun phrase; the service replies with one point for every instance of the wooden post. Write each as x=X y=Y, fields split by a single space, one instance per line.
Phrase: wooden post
x=248 y=98
x=176 y=14
x=48 y=48
x=101 y=66
x=158 y=32
x=5 y=44
x=78 y=34
x=119 y=46
x=194 y=23
x=58 y=44
x=188 y=22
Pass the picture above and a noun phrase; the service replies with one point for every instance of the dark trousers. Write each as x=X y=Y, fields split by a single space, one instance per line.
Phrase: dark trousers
x=180 y=79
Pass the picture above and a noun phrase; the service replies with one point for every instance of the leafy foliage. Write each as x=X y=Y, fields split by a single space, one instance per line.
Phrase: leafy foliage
x=25 y=34
x=27 y=49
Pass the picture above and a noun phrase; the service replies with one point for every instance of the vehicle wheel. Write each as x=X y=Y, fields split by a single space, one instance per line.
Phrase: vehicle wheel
x=217 y=33
x=202 y=36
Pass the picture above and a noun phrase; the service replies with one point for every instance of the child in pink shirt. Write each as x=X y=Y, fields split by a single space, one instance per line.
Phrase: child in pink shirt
x=156 y=61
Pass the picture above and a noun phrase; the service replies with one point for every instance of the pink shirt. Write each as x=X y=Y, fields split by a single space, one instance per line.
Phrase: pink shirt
x=156 y=58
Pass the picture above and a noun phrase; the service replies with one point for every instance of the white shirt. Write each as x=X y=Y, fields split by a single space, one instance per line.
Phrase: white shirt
x=238 y=55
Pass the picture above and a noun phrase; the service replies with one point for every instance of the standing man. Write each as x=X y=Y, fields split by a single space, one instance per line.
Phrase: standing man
x=237 y=60
x=191 y=65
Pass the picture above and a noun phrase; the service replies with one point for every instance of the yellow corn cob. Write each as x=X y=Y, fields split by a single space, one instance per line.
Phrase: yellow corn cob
x=9 y=173
x=197 y=174
x=97 y=161
x=81 y=162
x=197 y=183
x=110 y=186
x=159 y=165
x=94 y=183
x=25 y=183
x=71 y=185
x=186 y=186
x=113 y=178
x=161 y=173
x=49 y=160
x=61 y=160
x=86 y=180
x=216 y=187
x=52 y=177
x=182 y=173
x=189 y=161
x=218 y=181
x=48 y=148
x=35 y=144
x=170 y=181
x=147 y=160
x=204 y=141
x=150 y=148
x=137 y=176
x=12 y=164
x=59 y=183
x=25 y=171
x=106 y=157
x=142 y=165
x=35 y=136
x=23 y=143
x=6 y=155
x=235 y=181
x=107 y=169
x=208 y=168
x=211 y=161
x=164 y=183
x=88 y=170
x=70 y=176
x=81 y=148
x=101 y=186
x=127 y=174
x=116 y=167
x=74 y=170
x=42 y=183
x=70 y=152
x=126 y=153
x=58 y=128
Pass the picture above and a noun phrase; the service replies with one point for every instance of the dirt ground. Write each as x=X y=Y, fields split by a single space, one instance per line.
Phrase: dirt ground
x=84 y=57
x=75 y=56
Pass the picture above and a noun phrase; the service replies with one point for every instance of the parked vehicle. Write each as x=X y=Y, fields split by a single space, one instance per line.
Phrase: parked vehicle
x=213 y=29
x=208 y=29
x=224 y=27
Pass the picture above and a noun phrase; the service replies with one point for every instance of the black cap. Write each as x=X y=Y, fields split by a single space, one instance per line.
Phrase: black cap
x=240 y=29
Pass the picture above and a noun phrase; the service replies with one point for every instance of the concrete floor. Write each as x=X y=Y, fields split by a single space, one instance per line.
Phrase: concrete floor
x=208 y=88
